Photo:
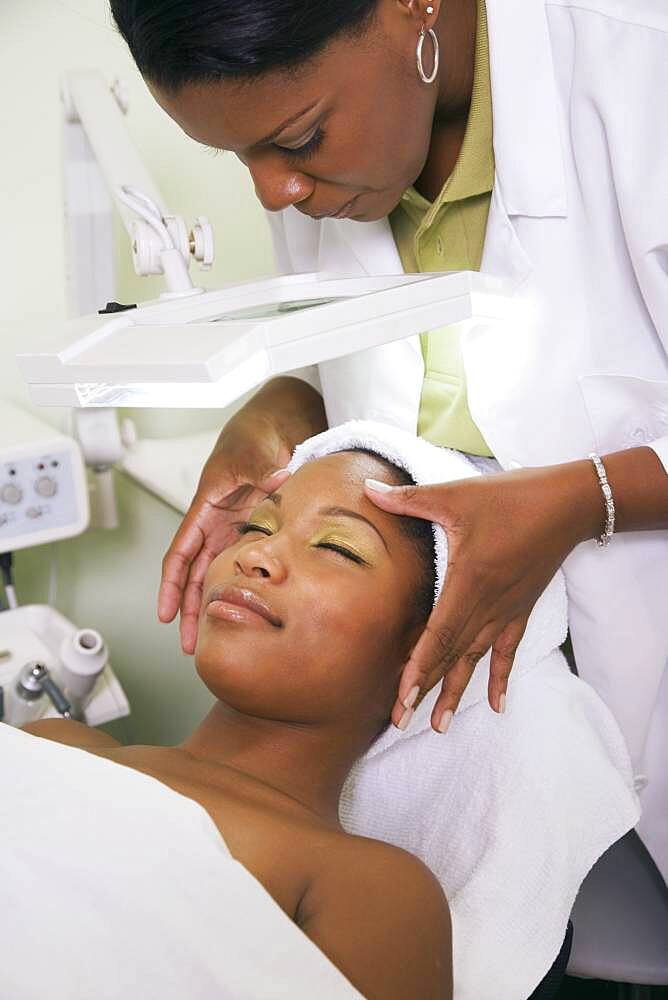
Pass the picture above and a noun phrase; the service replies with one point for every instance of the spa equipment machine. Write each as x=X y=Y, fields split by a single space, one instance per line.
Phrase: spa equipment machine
x=48 y=666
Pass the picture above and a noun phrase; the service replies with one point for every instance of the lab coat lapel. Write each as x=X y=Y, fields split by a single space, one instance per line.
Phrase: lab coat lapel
x=358 y=247
x=383 y=383
x=525 y=108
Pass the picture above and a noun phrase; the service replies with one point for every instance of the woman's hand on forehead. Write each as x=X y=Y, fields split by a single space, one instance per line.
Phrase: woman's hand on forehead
x=507 y=536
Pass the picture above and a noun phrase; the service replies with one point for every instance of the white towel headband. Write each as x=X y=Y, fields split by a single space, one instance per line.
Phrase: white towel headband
x=424 y=462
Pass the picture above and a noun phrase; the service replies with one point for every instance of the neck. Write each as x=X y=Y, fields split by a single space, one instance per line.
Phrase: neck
x=456 y=31
x=300 y=765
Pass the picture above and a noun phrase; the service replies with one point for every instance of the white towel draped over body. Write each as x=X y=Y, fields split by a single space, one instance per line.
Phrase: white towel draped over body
x=510 y=812
x=115 y=887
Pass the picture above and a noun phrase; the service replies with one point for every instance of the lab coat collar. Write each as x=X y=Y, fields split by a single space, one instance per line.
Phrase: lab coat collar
x=527 y=144
x=371 y=244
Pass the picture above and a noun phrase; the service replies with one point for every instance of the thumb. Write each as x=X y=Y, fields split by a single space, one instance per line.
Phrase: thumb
x=272 y=481
x=413 y=501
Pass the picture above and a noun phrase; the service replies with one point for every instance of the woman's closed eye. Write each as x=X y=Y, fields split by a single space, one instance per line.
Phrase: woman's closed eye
x=342 y=550
x=249 y=526
x=307 y=149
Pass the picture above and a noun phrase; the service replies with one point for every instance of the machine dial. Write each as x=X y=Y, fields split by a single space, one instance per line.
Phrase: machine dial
x=46 y=486
x=11 y=493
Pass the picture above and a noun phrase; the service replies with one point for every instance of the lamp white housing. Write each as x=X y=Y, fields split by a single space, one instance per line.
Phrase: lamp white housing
x=208 y=350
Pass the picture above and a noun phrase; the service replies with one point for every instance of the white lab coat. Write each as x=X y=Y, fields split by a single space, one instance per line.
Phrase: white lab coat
x=578 y=225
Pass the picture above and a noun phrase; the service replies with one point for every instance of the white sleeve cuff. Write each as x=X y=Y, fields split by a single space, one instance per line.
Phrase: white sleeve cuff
x=660 y=446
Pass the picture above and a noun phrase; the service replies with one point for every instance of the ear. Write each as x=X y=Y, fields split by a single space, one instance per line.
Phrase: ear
x=423 y=12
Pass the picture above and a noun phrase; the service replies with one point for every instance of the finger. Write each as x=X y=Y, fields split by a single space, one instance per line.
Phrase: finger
x=452 y=626
x=273 y=481
x=403 y=710
x=503 y=657
x=458 y=677
x=191 y=599
x=188 y=628
x=186 y=544
x=189 y=621
x=457 y=681
x=427 y=502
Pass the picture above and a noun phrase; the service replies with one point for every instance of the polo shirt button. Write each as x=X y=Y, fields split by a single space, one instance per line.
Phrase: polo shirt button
x=439 y=246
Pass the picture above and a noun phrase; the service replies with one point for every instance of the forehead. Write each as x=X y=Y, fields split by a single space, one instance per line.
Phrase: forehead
x=345 y=470
x=238 y=114
x=338 y=480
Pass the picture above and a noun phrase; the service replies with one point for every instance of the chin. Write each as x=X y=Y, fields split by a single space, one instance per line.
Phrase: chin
x=245 y=675
x=380 y=208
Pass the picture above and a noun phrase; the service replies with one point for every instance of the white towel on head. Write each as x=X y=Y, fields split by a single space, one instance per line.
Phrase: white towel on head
x=510 y=812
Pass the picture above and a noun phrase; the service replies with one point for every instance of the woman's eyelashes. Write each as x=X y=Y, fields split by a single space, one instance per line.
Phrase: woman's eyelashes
x=249 y=526
x=343 y=551
x=333 y=546
x=307 y=149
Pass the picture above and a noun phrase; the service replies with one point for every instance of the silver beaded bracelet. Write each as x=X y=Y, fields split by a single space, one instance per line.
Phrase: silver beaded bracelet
x=609 y=529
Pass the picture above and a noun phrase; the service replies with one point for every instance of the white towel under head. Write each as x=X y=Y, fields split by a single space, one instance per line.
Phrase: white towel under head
x=510 y=812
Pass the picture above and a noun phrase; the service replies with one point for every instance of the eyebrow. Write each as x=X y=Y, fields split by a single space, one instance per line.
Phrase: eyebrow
x=336 y=512
x=289 y=121
x=344 y=512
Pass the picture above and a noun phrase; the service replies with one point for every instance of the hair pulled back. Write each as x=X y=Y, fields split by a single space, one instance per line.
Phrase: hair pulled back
x=179 y=42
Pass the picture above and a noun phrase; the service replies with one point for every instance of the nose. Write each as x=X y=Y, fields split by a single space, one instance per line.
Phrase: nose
x=278 y=185
x=258 y=559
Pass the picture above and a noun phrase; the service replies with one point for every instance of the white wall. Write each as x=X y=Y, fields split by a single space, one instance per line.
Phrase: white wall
x=106 y=579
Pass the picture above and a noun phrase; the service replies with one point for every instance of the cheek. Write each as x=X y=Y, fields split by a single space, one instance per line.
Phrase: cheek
x=341 y=639
x=380 y=138
x=222 y=568
x=344 y=630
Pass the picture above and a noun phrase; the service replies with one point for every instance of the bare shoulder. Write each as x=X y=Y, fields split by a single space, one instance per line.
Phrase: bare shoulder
x=382 y=917
x=74 y=734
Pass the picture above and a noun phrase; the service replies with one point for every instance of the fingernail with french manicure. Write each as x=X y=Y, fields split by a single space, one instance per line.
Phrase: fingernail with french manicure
x=502 y=704
x=279 y=472
x=405 y=719
x=375 y=484
x=411 y=697
x=444 y=724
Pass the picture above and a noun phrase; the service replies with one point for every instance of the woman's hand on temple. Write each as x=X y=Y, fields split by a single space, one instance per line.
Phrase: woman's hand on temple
x=236 y=478
x=507 y=536
x=247 y=463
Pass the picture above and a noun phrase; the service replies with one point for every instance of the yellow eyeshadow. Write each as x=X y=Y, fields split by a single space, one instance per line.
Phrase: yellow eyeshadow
x=345 y=543
x=262 y=525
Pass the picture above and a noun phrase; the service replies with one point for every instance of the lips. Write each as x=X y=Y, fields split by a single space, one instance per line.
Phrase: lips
x=344 y=212
x=221 y=602
x=339 y=213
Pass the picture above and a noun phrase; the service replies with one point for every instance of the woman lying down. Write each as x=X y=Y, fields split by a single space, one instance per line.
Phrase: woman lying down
x=219 y=868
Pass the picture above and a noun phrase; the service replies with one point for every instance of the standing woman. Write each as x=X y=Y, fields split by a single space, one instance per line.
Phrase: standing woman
x=519 y=137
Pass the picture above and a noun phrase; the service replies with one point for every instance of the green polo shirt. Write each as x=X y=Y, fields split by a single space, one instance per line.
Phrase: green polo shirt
x=449 y=235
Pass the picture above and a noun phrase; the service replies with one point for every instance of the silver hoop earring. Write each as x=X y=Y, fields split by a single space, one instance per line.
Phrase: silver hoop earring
x=418 y=55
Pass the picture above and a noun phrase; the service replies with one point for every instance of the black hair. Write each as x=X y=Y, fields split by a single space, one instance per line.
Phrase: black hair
x=179 y=42
x=420 y=532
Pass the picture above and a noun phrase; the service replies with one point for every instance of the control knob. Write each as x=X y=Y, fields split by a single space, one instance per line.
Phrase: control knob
x=11 y=493
x=46 y=486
